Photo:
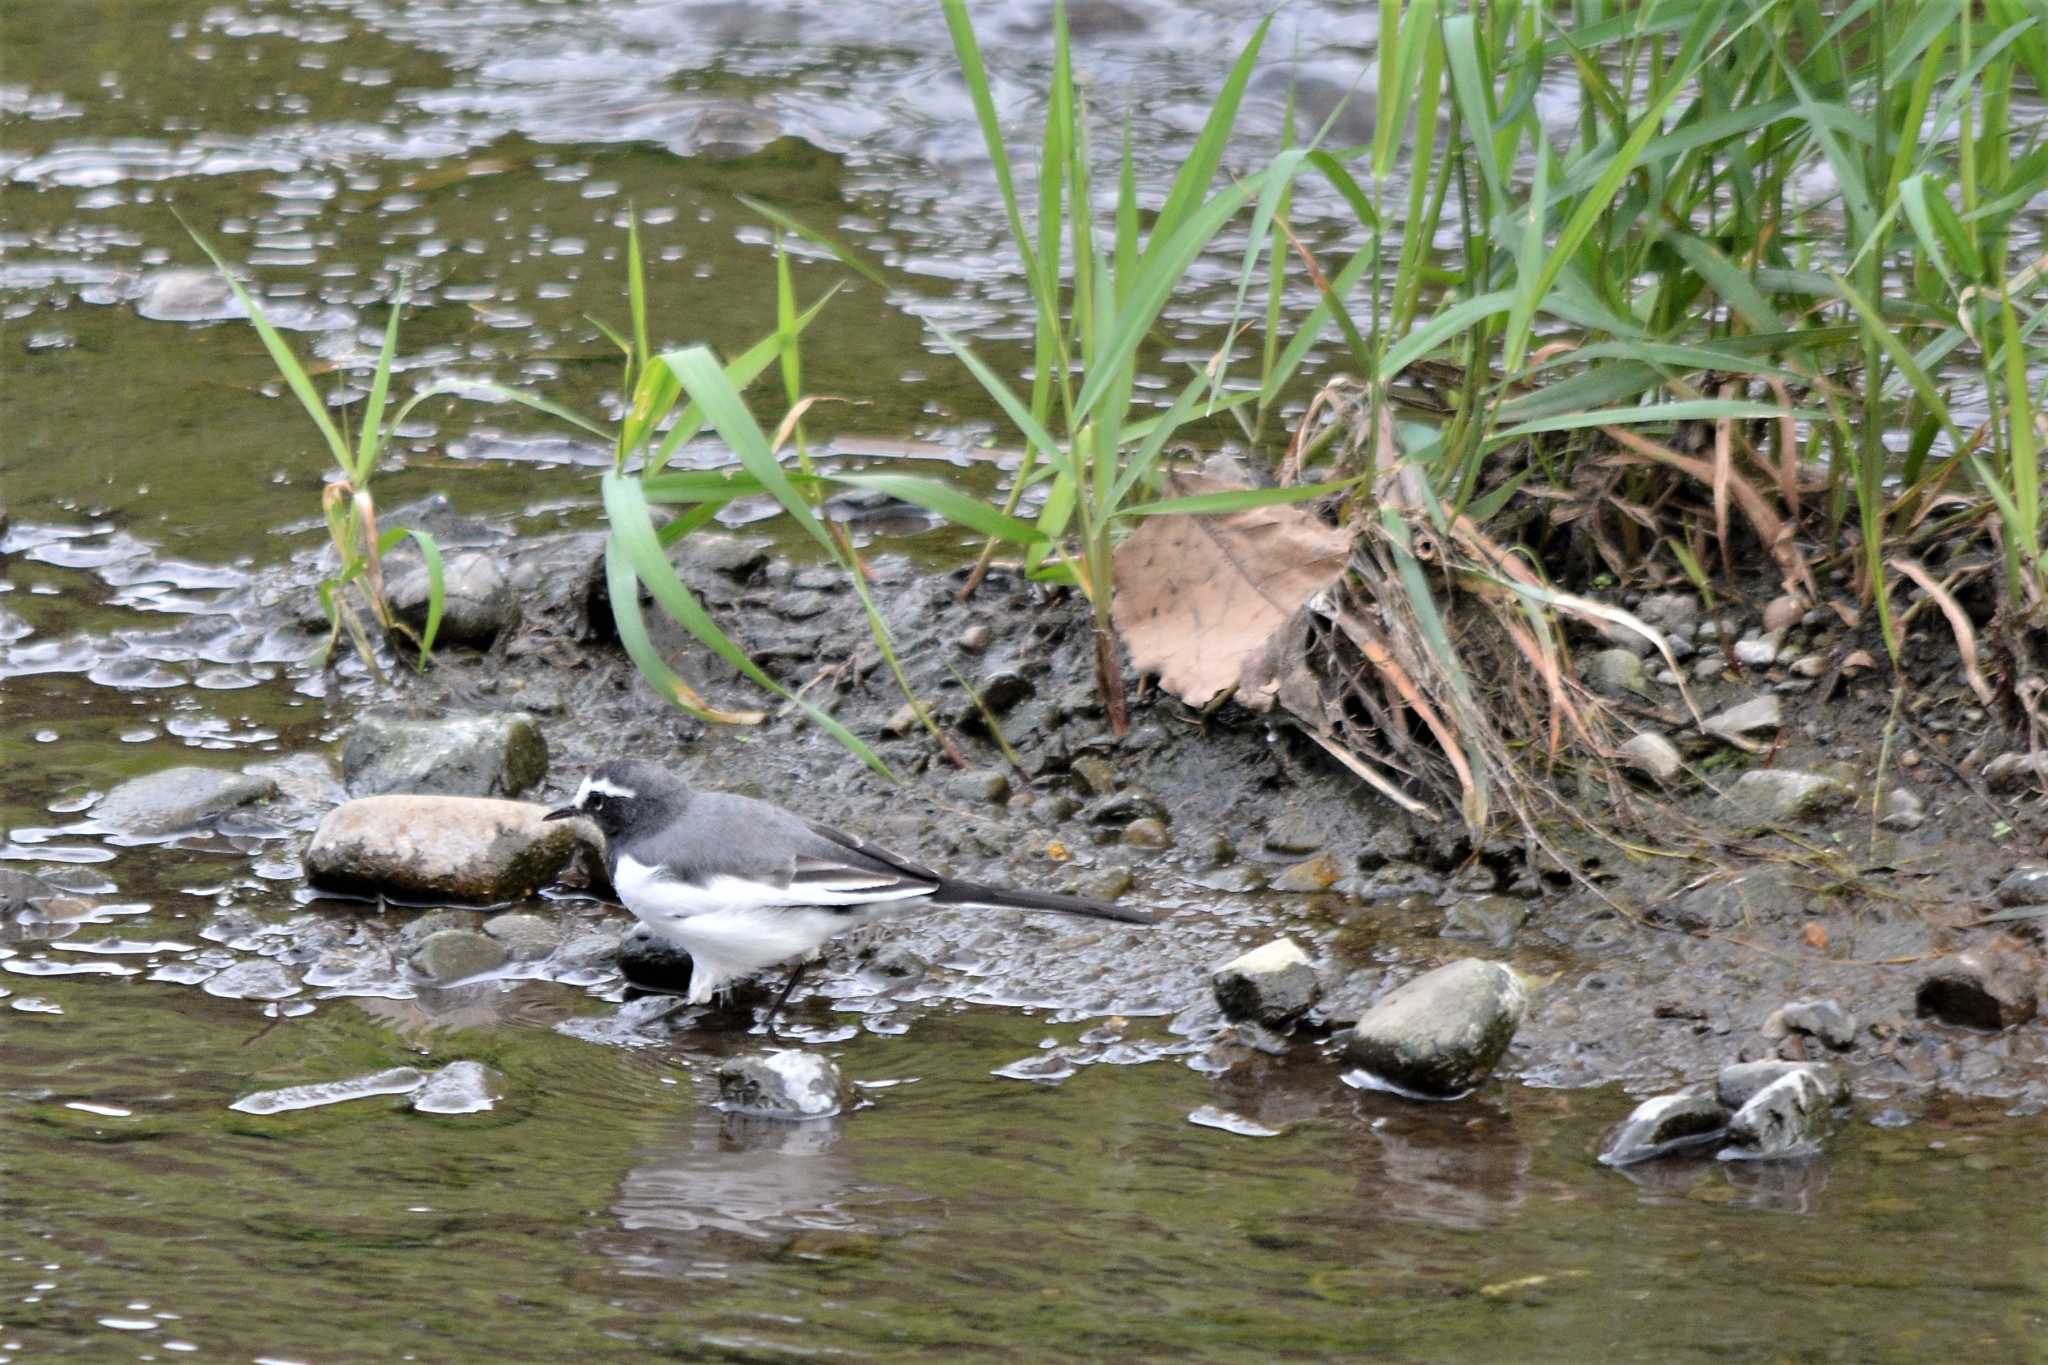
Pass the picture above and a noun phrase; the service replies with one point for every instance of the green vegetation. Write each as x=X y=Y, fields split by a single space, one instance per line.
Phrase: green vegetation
x=346 y=502
x=1752 y=301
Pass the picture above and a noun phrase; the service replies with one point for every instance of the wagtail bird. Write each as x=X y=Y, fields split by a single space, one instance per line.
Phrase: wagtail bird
x=742 y=885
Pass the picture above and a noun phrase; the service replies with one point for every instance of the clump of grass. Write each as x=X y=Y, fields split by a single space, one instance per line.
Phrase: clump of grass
x=356 y=587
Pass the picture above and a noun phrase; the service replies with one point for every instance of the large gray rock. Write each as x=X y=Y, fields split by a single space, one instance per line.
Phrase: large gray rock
x=438 y=848
x=1786 y=1120
x=1787 y=796
x=1738 y=1084
x=1271 y=984
x=494 y=755
x=1441 y=1034
x=478 y=603
x=1991 y=986
x=174 y=799
x=780 y=1085
x=1664 y=1125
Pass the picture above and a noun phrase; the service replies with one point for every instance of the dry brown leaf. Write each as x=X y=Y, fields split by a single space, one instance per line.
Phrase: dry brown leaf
x=1197 y=597
x=1857 y=661
x=1958 y=622
x=1816 y=935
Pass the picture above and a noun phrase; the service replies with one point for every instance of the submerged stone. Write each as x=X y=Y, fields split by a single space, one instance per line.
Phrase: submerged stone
x=436 y=848
x=451 y=955
x=528 y=937
x=1319 y=873
x=459 y=1088
x=174 y=799
x=1664 y=1125
x=780 y=1085
x=1441 y=1034
x=494 y=755
x=1271 y=984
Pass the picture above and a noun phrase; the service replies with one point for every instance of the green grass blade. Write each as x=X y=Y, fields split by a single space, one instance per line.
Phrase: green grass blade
x=708 y=385
x=288 y=366
x=370 y=440
x=843 y=253
x=633 y=532
x=1238 y=500
x=948 y=502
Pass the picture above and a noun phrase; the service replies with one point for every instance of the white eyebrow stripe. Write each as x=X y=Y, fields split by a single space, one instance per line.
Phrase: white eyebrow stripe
x=600 y=786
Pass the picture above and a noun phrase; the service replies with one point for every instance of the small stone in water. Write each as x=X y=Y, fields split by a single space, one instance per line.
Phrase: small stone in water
x=1270 y=984
x=1209 y=1116
x=458 y=1088
x=1785 y=1120
x=1146 y=833
x=780 y=1085
x=399 y=1080
x=252 y=979
x=1669 y=1123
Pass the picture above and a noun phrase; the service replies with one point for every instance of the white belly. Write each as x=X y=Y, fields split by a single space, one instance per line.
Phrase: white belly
x=727 y=944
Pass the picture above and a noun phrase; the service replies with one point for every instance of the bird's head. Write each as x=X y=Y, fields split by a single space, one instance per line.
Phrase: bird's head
x=623 y=795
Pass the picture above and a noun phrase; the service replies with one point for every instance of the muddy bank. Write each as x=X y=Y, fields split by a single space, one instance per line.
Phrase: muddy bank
x=1656 y=965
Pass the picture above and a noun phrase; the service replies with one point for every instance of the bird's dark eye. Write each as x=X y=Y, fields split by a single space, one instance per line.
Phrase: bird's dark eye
x=597 y=800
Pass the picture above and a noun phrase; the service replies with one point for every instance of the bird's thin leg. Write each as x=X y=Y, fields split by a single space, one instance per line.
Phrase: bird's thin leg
x=768 y=1020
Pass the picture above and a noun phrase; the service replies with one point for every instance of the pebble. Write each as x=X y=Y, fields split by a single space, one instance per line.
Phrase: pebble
x=788 y=1085
x=1903 y=810
x=1272 y=984
x=1319 y=873
x=1735 y=1085
x=1120 y=808
x=986 y=786
x=528 y=937
x=1664 y=1125
x=174 y=799
x=975 y=639
x=1295 y=832
x=1787 y=1119
x=1653 y=754
x=459 y=1088
x=1822 y=1019
x=1785 y=795
x=1147 y=833
x=478 y=603
x=1097 y=774
x=2015 y=771
x=451 y=955
x=1737 y=723
x=2026 y=884
x=1615 y=671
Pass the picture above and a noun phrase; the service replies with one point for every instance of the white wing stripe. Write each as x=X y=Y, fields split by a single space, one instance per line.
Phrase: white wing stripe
x=651 y=894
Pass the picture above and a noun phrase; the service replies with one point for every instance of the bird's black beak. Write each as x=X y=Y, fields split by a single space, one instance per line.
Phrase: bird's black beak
x=563 y=813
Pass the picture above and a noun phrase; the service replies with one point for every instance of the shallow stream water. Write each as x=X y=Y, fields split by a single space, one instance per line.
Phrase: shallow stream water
x=602 y=1207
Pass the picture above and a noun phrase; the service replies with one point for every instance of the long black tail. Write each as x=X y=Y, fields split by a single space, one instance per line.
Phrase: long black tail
x=951 y=892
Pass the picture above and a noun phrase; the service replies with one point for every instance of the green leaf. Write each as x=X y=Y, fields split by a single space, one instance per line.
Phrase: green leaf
x=634 y=535
x=710 y=388
x=948 y=502
x=288 y=366
x=845 y=254
x=1238 y=500
x=370 y=440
